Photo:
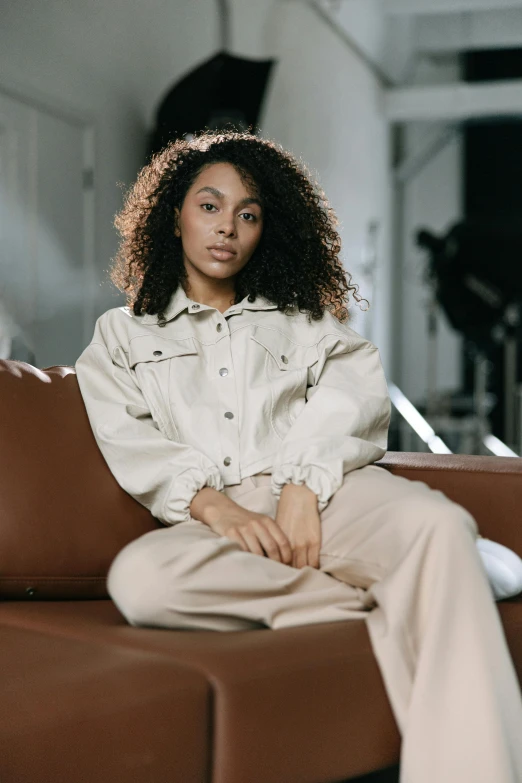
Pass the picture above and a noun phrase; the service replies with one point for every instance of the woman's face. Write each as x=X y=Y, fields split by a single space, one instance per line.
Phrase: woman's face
x=218 y=208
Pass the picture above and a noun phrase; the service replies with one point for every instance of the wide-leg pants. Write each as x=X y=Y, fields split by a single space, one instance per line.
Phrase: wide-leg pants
x=395 y=553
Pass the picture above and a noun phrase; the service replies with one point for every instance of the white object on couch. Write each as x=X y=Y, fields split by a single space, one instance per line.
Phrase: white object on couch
x=503 y=567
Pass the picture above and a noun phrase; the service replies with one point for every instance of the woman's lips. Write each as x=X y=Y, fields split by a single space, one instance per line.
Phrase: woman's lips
x=221 y=255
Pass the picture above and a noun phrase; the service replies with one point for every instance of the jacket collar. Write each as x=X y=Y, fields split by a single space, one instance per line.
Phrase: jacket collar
x=180 y=302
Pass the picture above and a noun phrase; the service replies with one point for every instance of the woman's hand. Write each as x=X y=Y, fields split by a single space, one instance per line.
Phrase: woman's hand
x=256 y=533
x=298 y=516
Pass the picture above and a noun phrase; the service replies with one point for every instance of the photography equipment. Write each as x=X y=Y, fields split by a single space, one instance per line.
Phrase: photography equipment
x=476 y=276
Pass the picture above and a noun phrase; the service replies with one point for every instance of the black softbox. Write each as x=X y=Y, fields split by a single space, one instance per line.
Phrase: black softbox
x=225 y=92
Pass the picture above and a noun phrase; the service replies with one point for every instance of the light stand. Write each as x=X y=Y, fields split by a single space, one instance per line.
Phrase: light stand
x=511 y=321
x=432 y=397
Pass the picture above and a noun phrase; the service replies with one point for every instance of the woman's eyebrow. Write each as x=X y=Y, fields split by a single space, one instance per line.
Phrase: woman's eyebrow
x=219 y=194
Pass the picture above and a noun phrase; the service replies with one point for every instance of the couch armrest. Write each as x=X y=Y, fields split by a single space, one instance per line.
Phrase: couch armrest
x=489 y=487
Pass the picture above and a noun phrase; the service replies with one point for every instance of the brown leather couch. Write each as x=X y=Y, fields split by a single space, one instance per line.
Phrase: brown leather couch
x=88 y=699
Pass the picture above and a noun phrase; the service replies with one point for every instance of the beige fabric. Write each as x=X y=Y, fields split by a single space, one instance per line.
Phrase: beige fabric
x=394 y=553
x=211 y=399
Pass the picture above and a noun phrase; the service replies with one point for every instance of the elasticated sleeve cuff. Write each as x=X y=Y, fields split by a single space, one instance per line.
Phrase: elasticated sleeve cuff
x=183 y=489
x=319 y=479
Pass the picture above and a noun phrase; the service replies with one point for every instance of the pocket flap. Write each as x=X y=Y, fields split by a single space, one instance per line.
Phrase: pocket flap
x=287 y=354
x=149 y=348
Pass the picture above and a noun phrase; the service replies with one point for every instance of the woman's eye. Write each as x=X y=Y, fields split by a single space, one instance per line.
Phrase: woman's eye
x=250 y=214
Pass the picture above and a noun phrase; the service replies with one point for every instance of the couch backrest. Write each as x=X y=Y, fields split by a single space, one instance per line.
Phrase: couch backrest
x=63 y=515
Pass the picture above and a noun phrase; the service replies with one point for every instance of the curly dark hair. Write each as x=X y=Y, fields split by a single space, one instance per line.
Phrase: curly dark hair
x=296 y=261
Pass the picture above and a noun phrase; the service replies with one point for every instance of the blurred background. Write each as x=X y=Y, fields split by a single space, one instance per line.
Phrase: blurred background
x=408 y=112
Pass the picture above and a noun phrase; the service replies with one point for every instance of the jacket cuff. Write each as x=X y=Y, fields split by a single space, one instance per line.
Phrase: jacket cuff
x=183 y=489
x=317 y=478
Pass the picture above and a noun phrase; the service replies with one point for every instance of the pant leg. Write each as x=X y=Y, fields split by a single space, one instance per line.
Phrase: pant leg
x=389 y=545
x=435 y=630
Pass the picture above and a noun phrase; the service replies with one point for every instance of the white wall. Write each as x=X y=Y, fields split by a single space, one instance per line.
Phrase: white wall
x=364 y=22
x=464 y=31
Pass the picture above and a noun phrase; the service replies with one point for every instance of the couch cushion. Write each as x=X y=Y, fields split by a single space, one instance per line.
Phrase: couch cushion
x=63 y=516
x=298 y=704
x=87 y=710
x=312 y=694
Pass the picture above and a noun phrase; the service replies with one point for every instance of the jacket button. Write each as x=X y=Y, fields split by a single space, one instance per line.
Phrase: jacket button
x=223 y=371
x=284 y=359
x=157 y=353
x=229 y=415
x=227 y=461
x=219 y=327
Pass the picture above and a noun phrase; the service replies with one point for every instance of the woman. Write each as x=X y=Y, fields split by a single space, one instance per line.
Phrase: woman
x=231 y=398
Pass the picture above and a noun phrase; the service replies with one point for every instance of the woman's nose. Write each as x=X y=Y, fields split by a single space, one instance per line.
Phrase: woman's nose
x=227 y=227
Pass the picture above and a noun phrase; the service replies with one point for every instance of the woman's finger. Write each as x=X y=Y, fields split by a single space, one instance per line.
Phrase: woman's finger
x=234 y=535
x=268 y=542
x=252 y=540
x=300 y=555
x=313 y=555
x=285 y=547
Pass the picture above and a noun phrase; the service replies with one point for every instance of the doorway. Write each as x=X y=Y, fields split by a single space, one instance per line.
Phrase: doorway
x=46 y=231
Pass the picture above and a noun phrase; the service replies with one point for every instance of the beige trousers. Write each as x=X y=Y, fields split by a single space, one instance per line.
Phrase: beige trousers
x=395 y=553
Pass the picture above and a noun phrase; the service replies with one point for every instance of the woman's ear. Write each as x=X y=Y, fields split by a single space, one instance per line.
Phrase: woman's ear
x=177 y=231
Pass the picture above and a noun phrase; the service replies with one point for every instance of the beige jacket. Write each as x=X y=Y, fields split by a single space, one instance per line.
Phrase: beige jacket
x=212 y=398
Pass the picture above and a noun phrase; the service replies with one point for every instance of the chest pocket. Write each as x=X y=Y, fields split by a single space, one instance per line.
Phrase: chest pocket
x=150 y=348
x=287 y=367
x=282 y=356
x=155 y=362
